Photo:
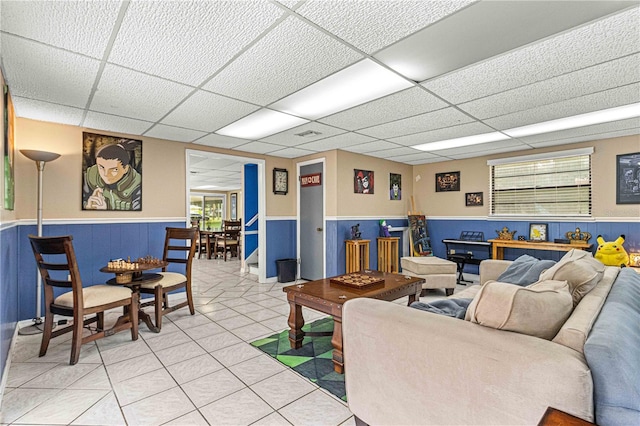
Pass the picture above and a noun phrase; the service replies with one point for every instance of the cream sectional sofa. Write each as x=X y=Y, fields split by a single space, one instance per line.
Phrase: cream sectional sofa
x=406 y=366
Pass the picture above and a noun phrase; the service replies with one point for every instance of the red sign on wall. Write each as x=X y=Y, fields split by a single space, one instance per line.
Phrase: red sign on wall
x=313 y=179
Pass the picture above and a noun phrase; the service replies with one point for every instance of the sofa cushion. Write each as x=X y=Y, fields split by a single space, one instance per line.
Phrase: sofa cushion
x=579 y=269
x=525 y=270
x=612 y=350
x=538 y=310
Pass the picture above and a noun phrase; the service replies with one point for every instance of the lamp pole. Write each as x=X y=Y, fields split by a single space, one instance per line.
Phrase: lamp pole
x=40 y=158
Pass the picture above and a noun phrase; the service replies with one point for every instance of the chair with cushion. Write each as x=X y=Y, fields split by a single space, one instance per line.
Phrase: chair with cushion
x=229 y=239
x=179 y=248
x=56 y=261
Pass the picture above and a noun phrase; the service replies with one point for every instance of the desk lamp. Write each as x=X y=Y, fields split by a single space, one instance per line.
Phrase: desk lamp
x=40 y=157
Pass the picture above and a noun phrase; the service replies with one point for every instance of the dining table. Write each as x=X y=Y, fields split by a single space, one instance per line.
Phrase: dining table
x=210 y=237
x=134 y=275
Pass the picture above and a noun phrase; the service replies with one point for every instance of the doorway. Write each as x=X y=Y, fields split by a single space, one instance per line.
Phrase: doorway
x=311 y=220
x=224 y=173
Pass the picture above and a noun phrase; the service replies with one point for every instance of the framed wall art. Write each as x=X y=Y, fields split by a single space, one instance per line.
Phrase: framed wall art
x=362 y=181
x=473 y=199
x=628 y=178
x=395 y=186
x=447 y=182
x=111 y=173
x=234 y=206
x=418 y=236
x=538 y=232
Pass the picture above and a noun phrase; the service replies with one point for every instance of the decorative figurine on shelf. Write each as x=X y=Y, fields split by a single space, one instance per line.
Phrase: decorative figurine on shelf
x=612 y=253
x=522 y=238
x=384 y=229
x=578 y=236
x=355 y=232
x=505 y=234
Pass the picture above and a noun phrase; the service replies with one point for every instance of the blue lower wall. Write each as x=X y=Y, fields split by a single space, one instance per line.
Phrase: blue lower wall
x=281 y=243
x=8 y=291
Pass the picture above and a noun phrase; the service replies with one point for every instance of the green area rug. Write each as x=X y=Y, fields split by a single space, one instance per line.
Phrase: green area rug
x=312 y=360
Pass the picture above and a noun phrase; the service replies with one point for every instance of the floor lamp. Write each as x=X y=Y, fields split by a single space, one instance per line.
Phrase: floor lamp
x=40 y=157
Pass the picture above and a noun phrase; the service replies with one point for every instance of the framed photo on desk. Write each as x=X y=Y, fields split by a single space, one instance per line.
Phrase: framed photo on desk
x=538 y=231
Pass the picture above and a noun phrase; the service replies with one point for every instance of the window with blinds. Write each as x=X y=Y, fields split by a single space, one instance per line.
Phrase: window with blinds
x=544 y=186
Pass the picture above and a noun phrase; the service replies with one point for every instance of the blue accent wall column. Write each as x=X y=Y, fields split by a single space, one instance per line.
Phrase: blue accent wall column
x=250 y=194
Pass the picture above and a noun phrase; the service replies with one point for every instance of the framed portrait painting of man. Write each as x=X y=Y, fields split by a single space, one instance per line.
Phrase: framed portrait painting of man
x=111 y=173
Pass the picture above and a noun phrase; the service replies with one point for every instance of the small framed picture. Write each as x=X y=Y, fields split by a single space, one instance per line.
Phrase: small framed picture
x=449 y=181
x=628 y=178
x=538 y=232
x=473 y=199
x=362 y=181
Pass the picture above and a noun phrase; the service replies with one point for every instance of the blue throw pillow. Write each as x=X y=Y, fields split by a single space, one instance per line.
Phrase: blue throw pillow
x=525 y=270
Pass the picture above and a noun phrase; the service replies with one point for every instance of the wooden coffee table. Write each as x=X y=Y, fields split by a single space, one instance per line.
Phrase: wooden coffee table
x=328 y=297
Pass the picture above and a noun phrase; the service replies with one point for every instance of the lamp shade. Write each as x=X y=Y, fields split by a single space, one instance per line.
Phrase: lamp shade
x=36 y=155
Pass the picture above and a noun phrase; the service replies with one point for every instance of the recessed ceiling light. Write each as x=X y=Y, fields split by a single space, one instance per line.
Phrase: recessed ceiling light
x=465 y=141
x=588 y=119
x=361 y=82
x=261 y=123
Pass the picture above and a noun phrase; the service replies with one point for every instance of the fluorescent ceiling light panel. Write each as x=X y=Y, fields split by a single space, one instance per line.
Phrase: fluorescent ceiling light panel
x=465 y=141
x=588 y=119
x=261 y=123
x=361 y=82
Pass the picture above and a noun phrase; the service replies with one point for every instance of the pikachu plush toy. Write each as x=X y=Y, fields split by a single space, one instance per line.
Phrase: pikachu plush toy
x=612 y=253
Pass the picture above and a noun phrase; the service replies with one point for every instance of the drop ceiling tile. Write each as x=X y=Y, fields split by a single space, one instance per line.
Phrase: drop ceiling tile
x=187 y=41
x=594 y=79
x=289 y=138
x=597 y=129
x=420 y=123
x=337 y=142
x=173 y=133
x=292 y=152
x=220 y=141
x=400 y=105
x=582 y=47
x=395 y=152
x=372 y=25
x=426 y=161
x=45 y=111
x=83 y=27
x=259 y=147
x=594 y=102
x=589 y=138
x=113 y=123
x=290 y=57
x=481 y=149
x=468 y=129
x=369 y=147
x=416 y=156
x=33 y=70
x=208 y=112
x=132 y=94
x=462 y=155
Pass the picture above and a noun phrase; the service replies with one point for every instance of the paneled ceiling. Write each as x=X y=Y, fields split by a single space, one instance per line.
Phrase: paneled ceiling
x=182 y=70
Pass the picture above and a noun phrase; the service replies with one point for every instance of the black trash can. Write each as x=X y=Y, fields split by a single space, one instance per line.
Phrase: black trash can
x=286 y=270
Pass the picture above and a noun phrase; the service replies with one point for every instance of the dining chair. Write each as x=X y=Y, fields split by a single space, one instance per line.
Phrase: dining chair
x=56 y=260
x=179 y=249
x=229 y=239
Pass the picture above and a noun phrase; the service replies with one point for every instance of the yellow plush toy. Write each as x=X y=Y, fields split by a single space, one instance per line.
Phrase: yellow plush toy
x=612 y=253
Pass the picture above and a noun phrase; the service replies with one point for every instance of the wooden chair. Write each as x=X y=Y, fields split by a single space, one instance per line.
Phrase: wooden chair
x=179 y=248
x=57 y=264
x=229 y=238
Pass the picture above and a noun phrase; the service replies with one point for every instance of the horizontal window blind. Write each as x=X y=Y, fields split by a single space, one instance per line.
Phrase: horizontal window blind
x=542 y=187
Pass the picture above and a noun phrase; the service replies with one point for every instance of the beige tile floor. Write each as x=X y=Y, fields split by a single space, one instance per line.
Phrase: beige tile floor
x=199 y=370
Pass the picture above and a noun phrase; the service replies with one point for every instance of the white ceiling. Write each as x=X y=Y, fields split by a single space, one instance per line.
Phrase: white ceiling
x=180 y=70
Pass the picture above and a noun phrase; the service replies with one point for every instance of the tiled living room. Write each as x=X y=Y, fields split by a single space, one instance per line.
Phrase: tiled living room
x=198 y=370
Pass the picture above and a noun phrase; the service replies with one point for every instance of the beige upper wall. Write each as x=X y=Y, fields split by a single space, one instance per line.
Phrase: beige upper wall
x=163 y=175
x=474 y=177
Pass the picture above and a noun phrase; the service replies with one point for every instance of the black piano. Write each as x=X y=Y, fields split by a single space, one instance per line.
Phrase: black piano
x=469 y=249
